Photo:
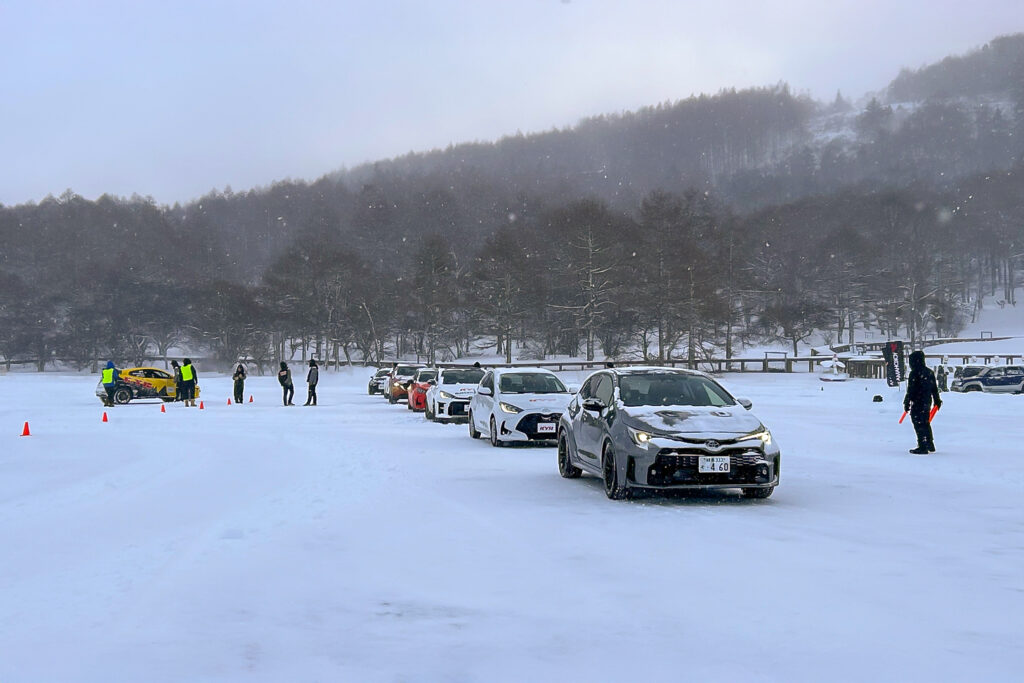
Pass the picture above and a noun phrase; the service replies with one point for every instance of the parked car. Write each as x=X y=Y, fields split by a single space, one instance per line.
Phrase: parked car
x=997 y=379
x=517 y=404
x=399 y=379
x=417 y=398
x=448 y=396
x=665 y=428
x=136 y=383
x=378 y=382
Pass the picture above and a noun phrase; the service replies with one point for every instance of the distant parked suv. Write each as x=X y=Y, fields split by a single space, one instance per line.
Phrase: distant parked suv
x=997 y=379
x=664 y=428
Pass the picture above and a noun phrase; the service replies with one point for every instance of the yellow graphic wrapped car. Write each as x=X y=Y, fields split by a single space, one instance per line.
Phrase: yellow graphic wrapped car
x=141 y=383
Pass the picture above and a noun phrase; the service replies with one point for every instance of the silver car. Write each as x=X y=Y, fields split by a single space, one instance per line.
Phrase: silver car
x=665 y=428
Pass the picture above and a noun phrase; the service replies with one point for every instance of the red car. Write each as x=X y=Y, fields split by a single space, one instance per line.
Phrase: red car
x=418 y=388
x=399 y=380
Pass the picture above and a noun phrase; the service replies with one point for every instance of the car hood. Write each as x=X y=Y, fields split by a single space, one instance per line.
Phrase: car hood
x=466 y=390
x=538 y=402
x=691 y=419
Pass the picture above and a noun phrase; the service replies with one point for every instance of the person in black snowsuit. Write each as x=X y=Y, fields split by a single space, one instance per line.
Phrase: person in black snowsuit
x=284 y=377
x=941 y=378
x=311 y=379
x=922 y=391
x=239 y=378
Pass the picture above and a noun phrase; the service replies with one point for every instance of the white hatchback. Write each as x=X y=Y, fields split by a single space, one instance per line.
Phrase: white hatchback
x=448 y=396
x=518 y=404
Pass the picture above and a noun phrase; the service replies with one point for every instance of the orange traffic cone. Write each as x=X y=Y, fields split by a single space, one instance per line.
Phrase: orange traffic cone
x=201 y=406
x=163 y=409
x=105 y=416
x=229 y=401
x=250 y=398
x=25 y=432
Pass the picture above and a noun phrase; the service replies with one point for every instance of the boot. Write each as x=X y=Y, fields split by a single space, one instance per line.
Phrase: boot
x=920 y=450
x=931 y=447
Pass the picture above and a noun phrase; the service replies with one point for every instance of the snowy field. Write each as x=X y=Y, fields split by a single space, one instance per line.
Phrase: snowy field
x=356 y=542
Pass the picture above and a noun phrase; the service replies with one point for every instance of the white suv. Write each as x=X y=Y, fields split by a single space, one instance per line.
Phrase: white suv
x=448 y=395
x=518 y=404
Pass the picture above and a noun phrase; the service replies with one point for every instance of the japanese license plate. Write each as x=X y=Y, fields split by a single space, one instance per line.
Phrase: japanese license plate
x=713 y=463
x=546 y=427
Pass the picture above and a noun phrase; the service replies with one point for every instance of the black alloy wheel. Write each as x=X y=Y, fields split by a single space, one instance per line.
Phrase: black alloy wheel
x=612 y=487
x=122 y=395
x=565 y=466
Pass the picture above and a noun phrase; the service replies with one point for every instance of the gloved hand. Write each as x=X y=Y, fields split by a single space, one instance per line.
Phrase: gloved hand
x=938 y=404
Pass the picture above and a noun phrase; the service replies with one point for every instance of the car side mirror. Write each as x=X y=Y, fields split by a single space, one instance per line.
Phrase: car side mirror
x=745 y=402
x=594 y=405
x=484 y=391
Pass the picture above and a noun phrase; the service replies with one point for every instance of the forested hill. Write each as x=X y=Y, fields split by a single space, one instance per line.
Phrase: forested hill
x=995 y=70
x=768 y=214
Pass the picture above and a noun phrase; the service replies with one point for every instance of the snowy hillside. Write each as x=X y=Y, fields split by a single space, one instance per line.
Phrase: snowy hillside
x=355 y=541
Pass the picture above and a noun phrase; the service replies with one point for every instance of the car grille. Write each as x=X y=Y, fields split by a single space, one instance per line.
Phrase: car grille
x=457 y=408
x=528 y=425
x=679 y=467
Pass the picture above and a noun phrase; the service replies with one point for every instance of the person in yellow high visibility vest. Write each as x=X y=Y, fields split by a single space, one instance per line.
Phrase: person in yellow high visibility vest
x=189 y=379
x=110 y=377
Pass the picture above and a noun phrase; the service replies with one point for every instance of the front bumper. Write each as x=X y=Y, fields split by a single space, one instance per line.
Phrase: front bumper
x=672 y=465
x=452 y=408
x=526 y=426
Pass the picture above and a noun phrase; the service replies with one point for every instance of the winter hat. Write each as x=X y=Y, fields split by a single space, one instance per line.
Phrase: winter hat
x=312 y=363
x=110 y=364
x=284 y=366
x=188 y=361
x=917 y=359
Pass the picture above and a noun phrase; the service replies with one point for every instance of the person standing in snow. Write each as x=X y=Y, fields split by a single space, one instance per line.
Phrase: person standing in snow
x=189 y=380
x=922 y=391
x=110 y=377
x=239 y=378
x=177 y=381
x=284 y=377
x=941 y=376
x=311 y=379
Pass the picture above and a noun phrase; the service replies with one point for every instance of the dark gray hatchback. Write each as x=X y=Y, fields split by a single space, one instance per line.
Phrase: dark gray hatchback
x=665 y=428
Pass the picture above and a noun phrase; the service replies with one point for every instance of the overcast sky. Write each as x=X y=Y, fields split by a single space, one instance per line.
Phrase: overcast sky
x=174 y=98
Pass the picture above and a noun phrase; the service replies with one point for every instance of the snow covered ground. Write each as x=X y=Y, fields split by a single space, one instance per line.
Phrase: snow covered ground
x=356 y=542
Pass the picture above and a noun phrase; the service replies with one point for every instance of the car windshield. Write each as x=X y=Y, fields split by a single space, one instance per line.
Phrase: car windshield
x=969 y=372
x=406 y=372
x=531 y=383
x=426 y=375
x=382 y=373
x=462 y=376
x=671 y=390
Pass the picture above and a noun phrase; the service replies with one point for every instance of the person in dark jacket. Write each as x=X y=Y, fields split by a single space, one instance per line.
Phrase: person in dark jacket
x=189 y=382
x=922 y=391
x=110 y=376
x=311 y=379
x=177 y=381
x=941 y=377
x=284 y=377
x=239 y=378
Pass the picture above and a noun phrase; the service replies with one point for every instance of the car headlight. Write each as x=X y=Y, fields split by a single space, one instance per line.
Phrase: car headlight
x=764 y=435
x=509 y=408
x=445 y=394
x=640 y=438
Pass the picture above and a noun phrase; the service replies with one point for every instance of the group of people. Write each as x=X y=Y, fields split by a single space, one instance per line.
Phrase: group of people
x=186 y=380
x=284 y=378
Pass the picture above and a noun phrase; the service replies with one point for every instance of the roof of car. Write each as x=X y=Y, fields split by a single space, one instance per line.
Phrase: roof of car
x=523 y=369
x=653 y=370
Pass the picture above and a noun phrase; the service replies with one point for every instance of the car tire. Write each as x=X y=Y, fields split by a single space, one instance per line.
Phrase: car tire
x=371 y=392
x=758 y=493
x=973 y=387
x=473 y=433
x=122 y=395
x=428 y=413
x=495 y=441
x=565 y=466
x=613 y=488
x=391 y=398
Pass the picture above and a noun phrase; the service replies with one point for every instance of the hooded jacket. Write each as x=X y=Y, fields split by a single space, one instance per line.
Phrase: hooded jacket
x=922 y=390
